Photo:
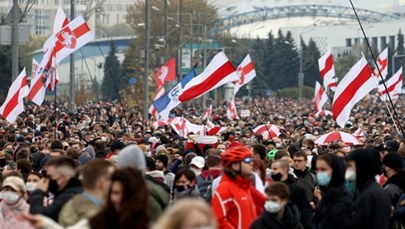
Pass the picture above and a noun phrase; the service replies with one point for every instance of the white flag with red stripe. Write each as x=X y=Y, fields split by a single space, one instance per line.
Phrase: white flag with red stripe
x=72 y=37
x=183 y=127
x=231 y=112
x=44 y=73
x=320 y=97
x=60 y=21
x=356 y=84
x=246 y=72
x=382 y=63
x=208 y=113
x=327 y=71
x=152 y=110
x=14 y=103
x=219 y=71
x=394 y=86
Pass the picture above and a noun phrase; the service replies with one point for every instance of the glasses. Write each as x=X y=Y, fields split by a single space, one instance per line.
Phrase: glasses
x=247 y=160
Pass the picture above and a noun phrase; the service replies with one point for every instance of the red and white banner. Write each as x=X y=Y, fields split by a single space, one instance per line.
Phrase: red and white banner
x=327 y=71
x=231 y=112
x=219 y=71
x=382 y=62
x=60 y=21
x=268 y=131
x=394 y=86
x=14 y=103
x=152 y=110
x=320 y=97
x=246 y=72
x=45 y=74
x=183 y=127
x=213 y=129
x=355 y=85
x=71 y=38
x=166 y=73
x=208 y=113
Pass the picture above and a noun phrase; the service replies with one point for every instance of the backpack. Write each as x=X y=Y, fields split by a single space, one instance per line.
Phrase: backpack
x=205 y=187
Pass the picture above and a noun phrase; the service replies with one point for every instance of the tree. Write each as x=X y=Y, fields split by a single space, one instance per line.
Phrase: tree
x=112 y=75
x=400 y=51
x=311 y=70
x=5 y=70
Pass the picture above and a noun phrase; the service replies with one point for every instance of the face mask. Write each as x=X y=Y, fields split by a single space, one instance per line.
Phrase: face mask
x=276 y=176
x=196 y=171
x=2 y=162
x=9 y=151
x=351 y=187
x=104 y=139
x=350 y=175
x=31 y=186
x=272 y=206
x=278 y=145
x=182 y=188
x=10 y=197
x=323 y=178
x=53 y=186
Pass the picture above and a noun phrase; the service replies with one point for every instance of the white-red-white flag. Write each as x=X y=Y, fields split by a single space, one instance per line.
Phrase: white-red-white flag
x=152 y=109
x=355 y=85
x=394 y=86
x=71 y=38
x=382 y=62
x=44 y=73
x=246 y=71
x=166 y=73
x=327 y=71
x=213 y=129
x=14 y=103
x=183 y=126
x=231 y=109
x=60 y=21
x=320 y=97
x=208 y=113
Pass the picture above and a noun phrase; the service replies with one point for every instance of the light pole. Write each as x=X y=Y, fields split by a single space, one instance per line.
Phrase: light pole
x=146 y=76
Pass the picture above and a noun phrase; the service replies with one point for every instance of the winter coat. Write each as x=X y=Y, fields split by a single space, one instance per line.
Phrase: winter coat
x=308 y=181
x=336 y=210
x=189 y=193
x=236 y=203
x=374 y=207
x=158 y=199
x=77 y=208
x=10 y=216
x=394 y=187
x=72 y=188
x=290 y=220
x=399 y=212
x=299 y=198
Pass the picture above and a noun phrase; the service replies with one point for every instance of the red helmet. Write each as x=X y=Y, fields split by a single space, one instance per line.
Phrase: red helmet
x=235 y=154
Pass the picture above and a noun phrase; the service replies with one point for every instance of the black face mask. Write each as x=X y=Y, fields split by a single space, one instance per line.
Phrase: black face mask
x=53 y=186
x=2 y=162
x=181 y=188
x=276 y=177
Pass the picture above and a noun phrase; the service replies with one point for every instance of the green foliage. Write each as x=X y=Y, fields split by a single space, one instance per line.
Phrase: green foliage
x=400 y=51
x=5 y=71
x=112 y=75
x=311 y=55
x=293 y=92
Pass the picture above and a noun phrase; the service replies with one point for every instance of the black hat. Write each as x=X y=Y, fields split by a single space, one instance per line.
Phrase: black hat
x=163 y=158
x=391 y=146
x=394 y=161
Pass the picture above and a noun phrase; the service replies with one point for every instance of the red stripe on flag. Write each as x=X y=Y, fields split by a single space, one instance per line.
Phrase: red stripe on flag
x=78 y=32
x=328 y=66
x=348 y=93
x=35 y=89
x=210 y=82
x=11 y=104
x=332 y=137
x=392 y=87
x=248 y=68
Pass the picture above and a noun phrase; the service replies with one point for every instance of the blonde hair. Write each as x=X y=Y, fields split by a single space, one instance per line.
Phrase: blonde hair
x=174 y=216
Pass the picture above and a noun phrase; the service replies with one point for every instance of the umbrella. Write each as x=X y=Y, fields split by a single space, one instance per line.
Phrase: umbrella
x=323 y=113
x=268 y=131
x=348 y=139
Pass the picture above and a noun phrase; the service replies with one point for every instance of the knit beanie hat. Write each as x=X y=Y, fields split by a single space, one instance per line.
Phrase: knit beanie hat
x=163 y=158
x=394 y=161
x=131 y=156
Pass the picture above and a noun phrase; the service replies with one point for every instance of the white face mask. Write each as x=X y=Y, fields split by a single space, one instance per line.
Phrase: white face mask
x=10 y=197
x=350 y=175
x=31 y=186
x=104 y=139
x=196 y=171
x=272 y=206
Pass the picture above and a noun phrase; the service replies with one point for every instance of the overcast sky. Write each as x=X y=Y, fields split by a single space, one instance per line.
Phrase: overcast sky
x=246 y=5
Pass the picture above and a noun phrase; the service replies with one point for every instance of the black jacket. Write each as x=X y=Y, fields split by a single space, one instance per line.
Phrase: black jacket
x=394 y=187
x=299 y=198
x=336 y=210
x=290 y=220
x=72 y=188
x=374 y=207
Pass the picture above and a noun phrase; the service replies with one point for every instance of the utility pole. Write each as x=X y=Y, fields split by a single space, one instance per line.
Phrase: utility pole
x=180 y=63
x=191 y=41
x=166 y=30
x=146 y=76
x=301 y=73
x=72 y=66
x=14 y=40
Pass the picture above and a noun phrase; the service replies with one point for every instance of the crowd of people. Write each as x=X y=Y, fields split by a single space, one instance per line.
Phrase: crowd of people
x=106 y=167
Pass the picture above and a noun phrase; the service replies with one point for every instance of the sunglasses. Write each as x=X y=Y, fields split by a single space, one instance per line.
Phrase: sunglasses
x=247 y=160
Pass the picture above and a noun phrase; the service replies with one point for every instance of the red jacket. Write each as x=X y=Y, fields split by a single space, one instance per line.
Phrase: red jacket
x=236 y=203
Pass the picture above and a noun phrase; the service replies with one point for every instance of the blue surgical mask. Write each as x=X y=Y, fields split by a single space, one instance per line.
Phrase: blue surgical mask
x=323 y=178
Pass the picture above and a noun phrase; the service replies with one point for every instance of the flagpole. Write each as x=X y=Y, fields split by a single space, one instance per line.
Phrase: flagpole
x=72 y=66
x=56 y=111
